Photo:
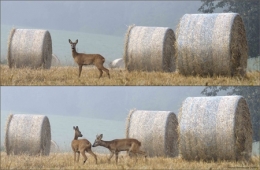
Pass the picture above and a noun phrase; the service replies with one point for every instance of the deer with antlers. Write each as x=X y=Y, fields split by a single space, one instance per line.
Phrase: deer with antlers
x=88 y=59
x=81 y=146
x=115 y=146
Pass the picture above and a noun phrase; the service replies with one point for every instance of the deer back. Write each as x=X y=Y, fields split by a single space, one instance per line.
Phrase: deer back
x=86 y=59
x=80 y=144
x=124 y=144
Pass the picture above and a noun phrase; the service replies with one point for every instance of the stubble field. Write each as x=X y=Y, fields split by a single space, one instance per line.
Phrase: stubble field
x=65 y=161
x=68 y=75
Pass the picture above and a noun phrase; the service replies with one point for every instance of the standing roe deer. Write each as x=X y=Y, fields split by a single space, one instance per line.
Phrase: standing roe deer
x=117 y=145
x=88 y=59
x=81 y=146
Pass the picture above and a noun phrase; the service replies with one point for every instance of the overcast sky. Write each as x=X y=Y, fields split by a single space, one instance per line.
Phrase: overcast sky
x=107 y=17
x=111 y=102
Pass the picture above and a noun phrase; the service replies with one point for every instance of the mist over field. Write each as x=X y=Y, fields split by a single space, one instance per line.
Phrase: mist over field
x=100 y=26
x=94 y=109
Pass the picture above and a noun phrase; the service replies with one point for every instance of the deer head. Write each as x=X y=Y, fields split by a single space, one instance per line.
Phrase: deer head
x=73 y=44
x=77 y=132
x=97 y=141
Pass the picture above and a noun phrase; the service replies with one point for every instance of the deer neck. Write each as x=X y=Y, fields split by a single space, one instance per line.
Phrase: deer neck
x=105 y=144
x=76 y=137
x=74 y=53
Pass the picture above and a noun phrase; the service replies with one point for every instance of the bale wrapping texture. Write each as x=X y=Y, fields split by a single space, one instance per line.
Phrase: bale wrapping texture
x=149 y=49
x=215 y=128
x=28 y=134
x=156 y=130
x=209 y=44
x=29 y=48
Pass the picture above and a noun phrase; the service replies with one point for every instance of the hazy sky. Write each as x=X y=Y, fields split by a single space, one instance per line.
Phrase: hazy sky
x=111 y=102
x=107 y=17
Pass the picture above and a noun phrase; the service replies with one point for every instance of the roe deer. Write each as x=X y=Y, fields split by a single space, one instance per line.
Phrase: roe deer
x=117 y=145
x=88 y=59
x=81 y=146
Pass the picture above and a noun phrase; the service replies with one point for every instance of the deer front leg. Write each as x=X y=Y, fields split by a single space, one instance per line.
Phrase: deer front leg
x=80 y=69
x=78 y=156
x=117 y=156
x=111 y=155
x=74 y=156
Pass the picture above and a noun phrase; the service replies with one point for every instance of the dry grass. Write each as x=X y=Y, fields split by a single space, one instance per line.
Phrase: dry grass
x=65 y=161
x=69 y=76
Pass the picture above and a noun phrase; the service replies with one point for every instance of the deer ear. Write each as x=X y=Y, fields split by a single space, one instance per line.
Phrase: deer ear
x=69 y=41
x=74 y=127
x=76 y=41
x=101 y=136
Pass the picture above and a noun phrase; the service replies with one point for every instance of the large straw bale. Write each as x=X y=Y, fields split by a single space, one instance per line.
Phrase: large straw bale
x=27 y=134
x=149 y=49
x=29 y=48
x=211 y=44
x=215 y=128
x=156 y=130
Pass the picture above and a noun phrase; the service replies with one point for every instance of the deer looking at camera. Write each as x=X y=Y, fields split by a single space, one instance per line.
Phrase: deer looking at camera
x=88 y=59
x=81 y=146
x=115 y=146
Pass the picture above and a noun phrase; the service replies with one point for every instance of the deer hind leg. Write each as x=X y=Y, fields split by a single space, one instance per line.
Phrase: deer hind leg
x=142 y=153
x=100 y=72
x=80 y=69
x=106 y=70
x=91 y=153
x=84 y=156
x=117 y=156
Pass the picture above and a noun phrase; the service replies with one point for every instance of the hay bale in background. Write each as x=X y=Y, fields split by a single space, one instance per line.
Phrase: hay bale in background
x=149 y=49
x=209 y=44
x=54 y=147
x=156 y=130
x=117 y=63
x=55 y=60
x=29 y=48
x=215 y=128
x=27 y=134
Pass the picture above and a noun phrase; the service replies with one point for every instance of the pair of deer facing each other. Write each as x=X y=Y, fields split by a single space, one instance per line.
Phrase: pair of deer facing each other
x=88 y=59
x=115 y=146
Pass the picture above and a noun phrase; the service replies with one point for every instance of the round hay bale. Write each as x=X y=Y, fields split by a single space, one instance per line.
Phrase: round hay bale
x=156 y=130
x=55 y=60
x=54 y=146
x=29 y=48
x=149 y=49
x=215 y=128
x=27 y=134
x=118 y=63
x=211 y=44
